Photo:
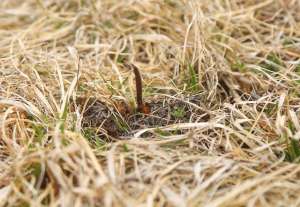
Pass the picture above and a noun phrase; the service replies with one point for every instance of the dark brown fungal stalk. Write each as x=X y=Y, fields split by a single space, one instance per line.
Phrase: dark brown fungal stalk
x=141 y=106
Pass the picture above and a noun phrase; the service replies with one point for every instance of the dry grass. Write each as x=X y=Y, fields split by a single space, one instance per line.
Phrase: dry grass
x=246 y=56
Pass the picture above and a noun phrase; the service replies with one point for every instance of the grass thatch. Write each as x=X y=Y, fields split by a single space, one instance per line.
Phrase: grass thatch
x=223 y=75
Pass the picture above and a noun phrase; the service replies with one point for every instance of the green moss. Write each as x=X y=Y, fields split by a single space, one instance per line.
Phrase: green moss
x=178 y=112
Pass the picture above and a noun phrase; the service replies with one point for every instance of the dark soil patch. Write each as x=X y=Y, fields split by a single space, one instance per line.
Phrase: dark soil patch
x=118 y=121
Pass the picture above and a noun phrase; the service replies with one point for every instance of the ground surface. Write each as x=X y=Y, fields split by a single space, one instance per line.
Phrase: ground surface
x=222 y=79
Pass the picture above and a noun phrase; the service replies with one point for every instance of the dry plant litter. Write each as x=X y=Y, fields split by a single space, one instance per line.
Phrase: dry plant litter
x=222 y=78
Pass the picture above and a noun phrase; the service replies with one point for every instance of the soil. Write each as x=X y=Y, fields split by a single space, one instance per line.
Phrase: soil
x=119 y=121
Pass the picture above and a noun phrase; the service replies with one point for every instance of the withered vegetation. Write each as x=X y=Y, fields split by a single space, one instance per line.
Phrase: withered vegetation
x=218 y=124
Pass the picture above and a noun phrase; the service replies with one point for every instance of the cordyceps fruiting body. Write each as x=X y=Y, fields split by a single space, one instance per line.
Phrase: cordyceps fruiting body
x=141 y=106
